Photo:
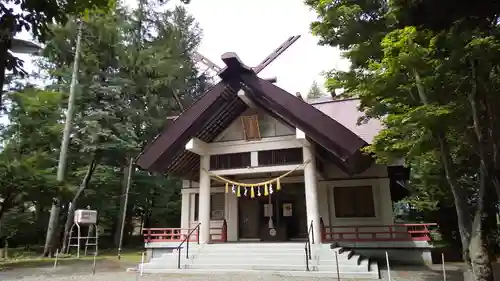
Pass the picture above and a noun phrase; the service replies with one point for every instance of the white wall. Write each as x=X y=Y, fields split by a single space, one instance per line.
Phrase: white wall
x=230 y=212
x=375 y=176
x=375 y=171
x=381 y=197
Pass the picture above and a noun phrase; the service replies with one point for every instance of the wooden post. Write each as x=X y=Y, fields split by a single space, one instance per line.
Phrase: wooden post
x=224 y=231
x=323 y=229
x=57 y=257
x=142 y=264
x=444 y=269
x=337 y=263
x=388 y=266
x=6 y=249
x=94 y=263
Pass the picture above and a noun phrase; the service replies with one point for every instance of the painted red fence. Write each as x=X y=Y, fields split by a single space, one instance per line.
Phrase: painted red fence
x=382 y=233
x=217 y=234
x=351 y=233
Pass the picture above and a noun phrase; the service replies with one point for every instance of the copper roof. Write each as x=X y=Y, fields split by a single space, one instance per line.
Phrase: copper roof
x=346 y=112
x=220 y=106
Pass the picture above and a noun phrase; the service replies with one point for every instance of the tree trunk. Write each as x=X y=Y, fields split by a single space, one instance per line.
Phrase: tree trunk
x=459 y=195
x=478 y=248
x=6 y=204
x=7 y=31
x=71 y=208
x=51 y=235
x=486 y=144
x=459 y=198
x=4 y=51
x=119 y=219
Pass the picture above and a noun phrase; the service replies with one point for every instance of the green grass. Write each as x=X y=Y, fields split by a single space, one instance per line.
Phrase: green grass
x=19 y=258
x=129 y=255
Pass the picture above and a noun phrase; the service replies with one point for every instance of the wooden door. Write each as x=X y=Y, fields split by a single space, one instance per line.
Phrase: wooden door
x=248 y=218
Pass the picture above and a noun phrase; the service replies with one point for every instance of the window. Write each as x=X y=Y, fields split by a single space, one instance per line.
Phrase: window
x=354 y=202
x=217 y=206
x=230 y=161
x=281 y=156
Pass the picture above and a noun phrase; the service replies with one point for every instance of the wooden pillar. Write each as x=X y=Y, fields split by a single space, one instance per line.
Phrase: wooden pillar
x=204 y=200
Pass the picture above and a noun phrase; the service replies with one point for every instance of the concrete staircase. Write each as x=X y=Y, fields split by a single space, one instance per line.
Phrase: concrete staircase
x=251 y=256
x=169 y=261
x=281 y=258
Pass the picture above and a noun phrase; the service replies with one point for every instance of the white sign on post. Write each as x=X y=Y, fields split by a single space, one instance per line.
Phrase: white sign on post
x=268 y=210
x=85 y=216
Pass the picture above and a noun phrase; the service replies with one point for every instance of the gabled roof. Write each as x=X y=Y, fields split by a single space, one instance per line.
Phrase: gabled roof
x=220 y=106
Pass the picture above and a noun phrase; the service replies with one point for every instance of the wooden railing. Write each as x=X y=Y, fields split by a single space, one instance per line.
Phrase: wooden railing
x=217 y=234
x=167 y=234
x=387 y=233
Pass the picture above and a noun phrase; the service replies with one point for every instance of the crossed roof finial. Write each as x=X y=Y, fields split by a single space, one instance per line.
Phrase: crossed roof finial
x=234 y=63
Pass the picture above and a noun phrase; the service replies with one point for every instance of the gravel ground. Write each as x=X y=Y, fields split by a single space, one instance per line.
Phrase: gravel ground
x=112 y=271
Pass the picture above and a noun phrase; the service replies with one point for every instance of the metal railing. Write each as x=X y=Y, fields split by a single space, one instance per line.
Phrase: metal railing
x=186 y=240
x=307 y=246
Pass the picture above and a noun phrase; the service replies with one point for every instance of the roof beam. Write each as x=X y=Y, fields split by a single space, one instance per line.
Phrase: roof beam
x=301 y=137
x=197 y=146
x=271 y=143
x=343 y=144
x=200 y=58
x=234 y=66
x=276 y=53
x=244 y=98
x=256 y=170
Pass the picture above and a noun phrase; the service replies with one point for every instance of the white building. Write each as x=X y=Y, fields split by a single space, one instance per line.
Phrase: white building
x=246 y=133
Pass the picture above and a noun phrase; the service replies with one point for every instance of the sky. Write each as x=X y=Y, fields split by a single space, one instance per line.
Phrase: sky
x=253 y=29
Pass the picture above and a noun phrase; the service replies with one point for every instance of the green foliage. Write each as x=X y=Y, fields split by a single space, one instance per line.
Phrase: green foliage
x=28 y=158
x=431 y=77
x=132 y=64
x=315 y=91
x=35 y=16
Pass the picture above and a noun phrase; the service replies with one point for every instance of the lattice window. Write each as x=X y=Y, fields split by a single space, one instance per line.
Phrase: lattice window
x=250 y=126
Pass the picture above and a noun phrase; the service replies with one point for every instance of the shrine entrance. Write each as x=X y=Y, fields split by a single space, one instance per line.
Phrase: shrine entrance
x=279 y=217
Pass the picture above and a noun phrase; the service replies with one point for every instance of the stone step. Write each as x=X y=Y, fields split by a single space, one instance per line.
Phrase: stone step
x=252 y=255
x=331 y=265
x=343 y=275
x=169 y=260
x=260 y=261
x=254 y=250
x=344 y=255
x=260 y=244
x=353 y=259
x=242 y=266
x=268 y=257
